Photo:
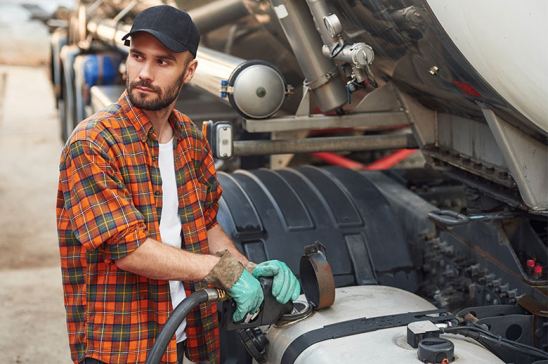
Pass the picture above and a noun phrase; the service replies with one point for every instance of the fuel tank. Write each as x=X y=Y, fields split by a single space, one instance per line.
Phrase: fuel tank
x=379 y=346
x=509 y=58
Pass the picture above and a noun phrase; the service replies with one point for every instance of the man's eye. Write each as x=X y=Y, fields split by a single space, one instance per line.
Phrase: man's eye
x=162 y=62
x=137 y=56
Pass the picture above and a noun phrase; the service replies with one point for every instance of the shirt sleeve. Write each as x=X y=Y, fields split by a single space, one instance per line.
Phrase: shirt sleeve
x=97 y=203
x=214 y=189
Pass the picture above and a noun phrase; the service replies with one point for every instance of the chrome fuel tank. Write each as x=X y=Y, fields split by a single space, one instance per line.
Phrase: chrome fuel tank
x=506 y=45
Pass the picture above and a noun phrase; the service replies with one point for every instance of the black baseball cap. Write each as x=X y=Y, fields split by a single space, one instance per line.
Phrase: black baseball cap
x=172 y=27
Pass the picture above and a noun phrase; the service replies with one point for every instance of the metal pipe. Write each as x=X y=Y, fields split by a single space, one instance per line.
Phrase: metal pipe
x=217 y=14
x=110 y=32
x=214 y=67
x=322 y=76
x=206 y=17
x=254 y=90
x=139 y=6
x=359 y=55
x=319 y=11
x=330 y=144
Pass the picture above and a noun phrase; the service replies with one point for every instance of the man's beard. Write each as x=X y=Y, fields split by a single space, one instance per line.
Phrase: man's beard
x=163 y=100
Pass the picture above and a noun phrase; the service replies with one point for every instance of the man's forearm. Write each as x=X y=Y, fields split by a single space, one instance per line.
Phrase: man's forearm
x=218 y=241
x=161 y=261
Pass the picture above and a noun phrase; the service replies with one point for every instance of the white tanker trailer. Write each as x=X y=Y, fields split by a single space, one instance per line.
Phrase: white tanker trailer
x=441 y=262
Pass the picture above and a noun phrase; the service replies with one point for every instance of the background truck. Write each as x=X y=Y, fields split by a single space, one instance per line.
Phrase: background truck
x=409 y=137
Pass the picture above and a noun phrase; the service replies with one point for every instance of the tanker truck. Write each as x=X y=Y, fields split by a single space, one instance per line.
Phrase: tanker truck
x=393 y=152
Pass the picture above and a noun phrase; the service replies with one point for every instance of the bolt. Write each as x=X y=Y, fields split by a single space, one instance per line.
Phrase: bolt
x=503 y=289
x=434 y=70
x=261 y=92
x=473 y=270
x=503 y=175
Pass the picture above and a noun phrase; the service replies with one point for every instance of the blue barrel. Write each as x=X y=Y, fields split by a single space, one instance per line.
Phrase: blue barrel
x=101 y=69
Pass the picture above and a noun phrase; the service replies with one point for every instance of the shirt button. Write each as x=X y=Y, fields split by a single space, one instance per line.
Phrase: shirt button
x=154 y=157
x=157 y=193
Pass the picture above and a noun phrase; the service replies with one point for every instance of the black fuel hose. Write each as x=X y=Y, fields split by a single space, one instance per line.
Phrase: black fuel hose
x=480 y=334
x=178 y=315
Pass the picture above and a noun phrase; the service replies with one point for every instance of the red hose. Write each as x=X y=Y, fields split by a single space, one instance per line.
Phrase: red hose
x=383 y=163
x=339 y=160
x=390 y=160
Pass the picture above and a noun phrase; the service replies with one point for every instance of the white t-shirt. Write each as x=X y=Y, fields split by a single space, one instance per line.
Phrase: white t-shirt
x=170 y=224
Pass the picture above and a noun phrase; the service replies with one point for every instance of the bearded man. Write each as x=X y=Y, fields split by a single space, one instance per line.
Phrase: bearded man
x=136 y=214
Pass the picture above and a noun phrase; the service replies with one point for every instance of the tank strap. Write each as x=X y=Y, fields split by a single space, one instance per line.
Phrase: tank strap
x=358 y=326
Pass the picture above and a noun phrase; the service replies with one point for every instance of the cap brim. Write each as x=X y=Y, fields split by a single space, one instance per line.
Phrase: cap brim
x=167 y=41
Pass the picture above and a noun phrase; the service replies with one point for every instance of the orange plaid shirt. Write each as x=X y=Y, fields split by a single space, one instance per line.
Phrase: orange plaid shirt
x=109 y=201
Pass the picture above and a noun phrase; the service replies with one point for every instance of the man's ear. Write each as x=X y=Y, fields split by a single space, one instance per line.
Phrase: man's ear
x=190 y=69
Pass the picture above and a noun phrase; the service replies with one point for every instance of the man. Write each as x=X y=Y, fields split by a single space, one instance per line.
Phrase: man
x=137 y=183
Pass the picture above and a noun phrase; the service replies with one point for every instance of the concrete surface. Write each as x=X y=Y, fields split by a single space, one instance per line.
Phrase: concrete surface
x=32 y=316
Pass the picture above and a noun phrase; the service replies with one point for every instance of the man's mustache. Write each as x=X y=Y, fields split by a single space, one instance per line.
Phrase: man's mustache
x=147 y=84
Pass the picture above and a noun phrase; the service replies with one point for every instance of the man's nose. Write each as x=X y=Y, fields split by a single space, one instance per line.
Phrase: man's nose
x=145 y=72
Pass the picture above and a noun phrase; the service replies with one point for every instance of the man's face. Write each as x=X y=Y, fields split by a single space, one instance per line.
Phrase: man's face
x=155 y=74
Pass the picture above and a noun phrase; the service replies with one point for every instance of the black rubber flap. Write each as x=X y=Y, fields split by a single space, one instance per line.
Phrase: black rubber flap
x=436 y=350
x=317 y=277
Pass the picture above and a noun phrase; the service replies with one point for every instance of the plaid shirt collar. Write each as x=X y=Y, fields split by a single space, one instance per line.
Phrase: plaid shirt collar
x=142 y=123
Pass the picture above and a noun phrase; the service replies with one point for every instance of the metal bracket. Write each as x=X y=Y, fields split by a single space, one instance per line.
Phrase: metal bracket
x=378 y=110
x=304 y=105
x=278 y=161
x=451 y=218
x=424 y=120
x=362 y=121
x=525 y=157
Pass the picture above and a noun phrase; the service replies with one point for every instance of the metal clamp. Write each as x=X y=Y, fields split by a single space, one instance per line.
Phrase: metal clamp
x=452 y=218
x=320 y=81
x=317 y=277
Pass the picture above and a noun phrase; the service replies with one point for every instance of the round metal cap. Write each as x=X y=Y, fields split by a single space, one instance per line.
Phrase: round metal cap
x=258 y=90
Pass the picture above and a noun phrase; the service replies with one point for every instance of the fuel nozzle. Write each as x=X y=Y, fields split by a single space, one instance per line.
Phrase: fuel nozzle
x=318 y=285
x=270 y=312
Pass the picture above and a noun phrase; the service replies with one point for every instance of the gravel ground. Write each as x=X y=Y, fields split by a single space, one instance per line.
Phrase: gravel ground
x=32 y=317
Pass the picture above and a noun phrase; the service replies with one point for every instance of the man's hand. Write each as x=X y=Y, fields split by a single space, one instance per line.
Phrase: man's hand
x=285 y=285
x=248 y=295
x=244 y=289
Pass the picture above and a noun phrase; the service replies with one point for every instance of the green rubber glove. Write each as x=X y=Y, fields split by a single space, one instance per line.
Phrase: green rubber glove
x=248 y=295
x=285 y=285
